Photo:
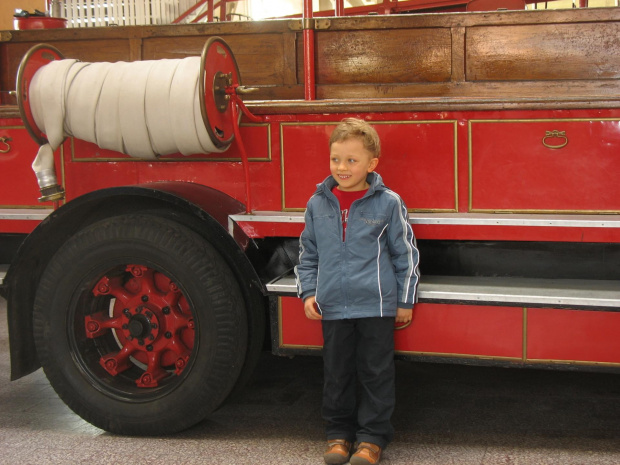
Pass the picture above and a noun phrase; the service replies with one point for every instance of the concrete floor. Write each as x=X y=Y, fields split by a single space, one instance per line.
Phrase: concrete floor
x=446 y=415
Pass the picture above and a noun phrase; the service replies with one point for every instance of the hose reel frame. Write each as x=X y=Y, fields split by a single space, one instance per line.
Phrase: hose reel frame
x=218 y=71
x=37 y=57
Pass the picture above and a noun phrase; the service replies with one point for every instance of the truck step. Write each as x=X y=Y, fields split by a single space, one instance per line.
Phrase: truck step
x=561 y=293
x=25 y=214
x=3 y=270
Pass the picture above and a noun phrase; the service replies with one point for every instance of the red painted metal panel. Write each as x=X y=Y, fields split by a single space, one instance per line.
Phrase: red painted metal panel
x=546 y=165
x=17 y=226
x=224 y=176
x=573 y=335
x=436 y=329
x=92 y=168
x=295 y=328
x=18 y=184
x=463 y=329
x=418 y=161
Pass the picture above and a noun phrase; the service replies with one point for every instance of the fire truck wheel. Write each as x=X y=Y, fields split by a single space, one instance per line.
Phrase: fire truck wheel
x=140 y=325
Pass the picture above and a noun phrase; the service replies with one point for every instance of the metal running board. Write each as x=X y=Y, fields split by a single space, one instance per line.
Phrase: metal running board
x=460 y=219
x=28 y=214
x=3 y=270
x=562 y=293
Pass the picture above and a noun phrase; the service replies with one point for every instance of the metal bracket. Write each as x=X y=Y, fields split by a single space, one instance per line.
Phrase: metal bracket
x=4 y=144
x=309 y=23
x=321 y=24
x=220 y=82
x=555 y=135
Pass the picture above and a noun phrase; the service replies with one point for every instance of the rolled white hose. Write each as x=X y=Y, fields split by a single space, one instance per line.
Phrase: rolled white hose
x=144 y=109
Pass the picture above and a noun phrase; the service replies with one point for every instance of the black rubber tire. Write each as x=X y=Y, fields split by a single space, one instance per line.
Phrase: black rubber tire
x=68 y=357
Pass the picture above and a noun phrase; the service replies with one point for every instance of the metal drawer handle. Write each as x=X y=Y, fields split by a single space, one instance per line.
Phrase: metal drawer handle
x=556 y=134
x=4 y=142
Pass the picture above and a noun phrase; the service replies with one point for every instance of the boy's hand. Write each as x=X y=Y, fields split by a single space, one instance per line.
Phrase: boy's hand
x=311 y=310
x=404 y=315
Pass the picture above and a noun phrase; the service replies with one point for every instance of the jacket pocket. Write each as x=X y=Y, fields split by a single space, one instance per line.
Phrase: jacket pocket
x=326 y=229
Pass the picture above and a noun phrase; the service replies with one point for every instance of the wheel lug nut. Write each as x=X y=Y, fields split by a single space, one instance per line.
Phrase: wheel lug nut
x=151 y=337
x=145 y=298
x=136 y=271
x=154 y=325
x=149 y=347
x=149 y=314
x=125 y=326
x=92 y=326
x=141 y=342
x=168 y=335
x=166 y=310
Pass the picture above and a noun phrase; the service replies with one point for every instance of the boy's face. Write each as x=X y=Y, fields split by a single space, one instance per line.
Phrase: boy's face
x=350 y=163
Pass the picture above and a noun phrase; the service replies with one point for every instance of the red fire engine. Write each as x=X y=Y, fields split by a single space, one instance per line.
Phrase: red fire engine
x=147 y=282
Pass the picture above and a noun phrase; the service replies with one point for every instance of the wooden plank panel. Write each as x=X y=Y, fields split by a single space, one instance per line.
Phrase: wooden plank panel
x=534 y=93
x=384 y=56
x=92 y=51
x=84 y=50
x=543 y=52
x=260 y=61
x=499 y=18
x=458 y=54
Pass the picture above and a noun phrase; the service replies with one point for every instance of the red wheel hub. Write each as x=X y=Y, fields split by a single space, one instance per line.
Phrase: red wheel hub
x=151 y=321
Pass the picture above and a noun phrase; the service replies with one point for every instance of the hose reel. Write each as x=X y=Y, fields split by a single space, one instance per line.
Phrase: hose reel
x=144 y=109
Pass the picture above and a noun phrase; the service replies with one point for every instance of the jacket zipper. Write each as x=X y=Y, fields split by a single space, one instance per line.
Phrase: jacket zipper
x=343 y=247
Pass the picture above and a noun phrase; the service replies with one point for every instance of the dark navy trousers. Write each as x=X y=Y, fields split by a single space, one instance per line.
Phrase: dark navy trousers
x=359 y=388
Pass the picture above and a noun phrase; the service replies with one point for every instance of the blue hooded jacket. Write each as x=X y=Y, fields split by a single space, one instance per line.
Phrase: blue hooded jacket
x=374 y=270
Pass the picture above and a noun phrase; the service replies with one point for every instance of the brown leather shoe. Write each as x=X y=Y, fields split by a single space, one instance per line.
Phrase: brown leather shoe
x=366 y=454
x=338 y=452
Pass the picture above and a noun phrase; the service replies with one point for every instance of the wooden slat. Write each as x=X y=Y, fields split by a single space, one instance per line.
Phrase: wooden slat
x=543 y=52
x=260 y=61
x=384 y=56
x=506 y=91
x=458 y=54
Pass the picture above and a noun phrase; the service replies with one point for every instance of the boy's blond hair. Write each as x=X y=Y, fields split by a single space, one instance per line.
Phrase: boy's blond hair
x=350 y=128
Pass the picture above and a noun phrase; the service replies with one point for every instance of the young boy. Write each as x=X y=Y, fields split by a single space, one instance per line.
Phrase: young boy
x=358 y=274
